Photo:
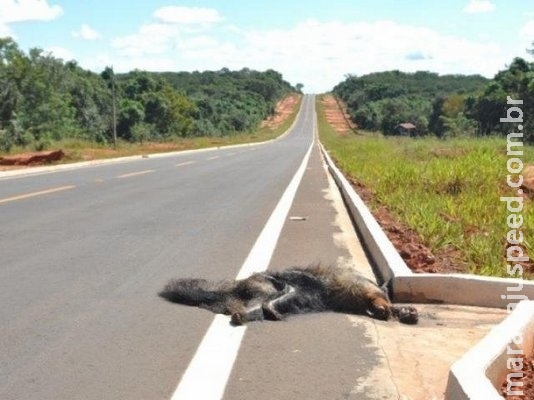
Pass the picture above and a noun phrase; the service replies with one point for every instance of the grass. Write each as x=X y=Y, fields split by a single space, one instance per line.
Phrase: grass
x=448 y=191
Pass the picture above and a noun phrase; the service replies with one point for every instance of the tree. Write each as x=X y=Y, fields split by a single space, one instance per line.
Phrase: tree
x=13 y=67
x=43 y=99
x=382 y=100
x=130 y=113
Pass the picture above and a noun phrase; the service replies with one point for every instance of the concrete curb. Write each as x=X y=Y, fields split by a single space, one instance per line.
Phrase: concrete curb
x=476 y=375
x=107 y=161
x=384 y=257
x=461 y=289
x=481 y=370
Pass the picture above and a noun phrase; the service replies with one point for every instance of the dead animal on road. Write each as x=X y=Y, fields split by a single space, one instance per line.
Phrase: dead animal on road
x=274 y=295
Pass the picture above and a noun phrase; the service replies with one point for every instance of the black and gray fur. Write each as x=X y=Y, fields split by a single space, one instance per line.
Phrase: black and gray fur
x=274 y=295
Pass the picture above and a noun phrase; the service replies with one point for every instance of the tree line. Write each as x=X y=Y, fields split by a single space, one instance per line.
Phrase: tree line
x=44 y=99
x=445 y=106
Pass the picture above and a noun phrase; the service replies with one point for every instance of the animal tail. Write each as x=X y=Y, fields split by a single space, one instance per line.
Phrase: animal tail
x=193 y=292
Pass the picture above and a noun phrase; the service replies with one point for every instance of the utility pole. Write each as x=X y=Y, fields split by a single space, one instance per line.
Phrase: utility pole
x=114 y=107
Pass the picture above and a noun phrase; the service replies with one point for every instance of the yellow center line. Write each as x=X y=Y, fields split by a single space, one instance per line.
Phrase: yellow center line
x=33 y=194
x=148 y=171
x=185 y=163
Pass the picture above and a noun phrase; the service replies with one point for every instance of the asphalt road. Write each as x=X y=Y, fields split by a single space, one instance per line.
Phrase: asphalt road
x=83 y=253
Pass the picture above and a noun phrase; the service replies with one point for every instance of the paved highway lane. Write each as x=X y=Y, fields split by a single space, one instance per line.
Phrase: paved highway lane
x=84 y=252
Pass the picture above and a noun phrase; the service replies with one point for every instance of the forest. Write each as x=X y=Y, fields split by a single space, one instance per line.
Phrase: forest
x=44 y=99
x=445 y=106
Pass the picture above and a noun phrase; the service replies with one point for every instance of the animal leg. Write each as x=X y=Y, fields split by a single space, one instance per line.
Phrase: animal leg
x=406 y=314
x=380 y=308
x=254 y=313
x=274 y=309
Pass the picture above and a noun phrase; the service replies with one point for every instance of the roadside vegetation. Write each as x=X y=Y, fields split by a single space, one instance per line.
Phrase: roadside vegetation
x=84 y=150
x=443 y=177
x=46 y=102
x=446 y=106
x=447 y=191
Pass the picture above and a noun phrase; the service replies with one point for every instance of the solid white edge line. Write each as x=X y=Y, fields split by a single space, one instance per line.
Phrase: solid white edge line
x=209 y=370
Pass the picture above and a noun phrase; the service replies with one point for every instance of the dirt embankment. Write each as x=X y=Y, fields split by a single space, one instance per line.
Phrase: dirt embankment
x=284 y=108
x=337 y=116
x=29 y=159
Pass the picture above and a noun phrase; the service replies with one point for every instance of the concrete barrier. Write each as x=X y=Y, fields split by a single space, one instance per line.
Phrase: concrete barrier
x=479 y=373
x=406 y=286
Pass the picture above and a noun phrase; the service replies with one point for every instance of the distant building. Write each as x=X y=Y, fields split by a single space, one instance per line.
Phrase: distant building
x=406 y=129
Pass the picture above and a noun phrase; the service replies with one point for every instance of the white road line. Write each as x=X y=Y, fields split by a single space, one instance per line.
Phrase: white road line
x=212 y=158
x=183 y=164
x=148 y=171
x=210 y=368
x=33 y=194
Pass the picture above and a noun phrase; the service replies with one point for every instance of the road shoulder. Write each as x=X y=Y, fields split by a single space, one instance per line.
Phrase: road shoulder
x=314 y=356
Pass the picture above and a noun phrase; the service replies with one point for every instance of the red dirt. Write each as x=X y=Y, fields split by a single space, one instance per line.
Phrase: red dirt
x=34 y=158
x=336 y=115
x=408 y=243
x=283 y=110
x=527 y=382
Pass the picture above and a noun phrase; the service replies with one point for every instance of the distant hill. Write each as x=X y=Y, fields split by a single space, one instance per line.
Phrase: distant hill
x=230 y=101
x=44 y=99
x=383 y=100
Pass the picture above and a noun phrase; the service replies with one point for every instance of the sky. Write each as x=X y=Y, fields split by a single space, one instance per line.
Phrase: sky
x=313 y=42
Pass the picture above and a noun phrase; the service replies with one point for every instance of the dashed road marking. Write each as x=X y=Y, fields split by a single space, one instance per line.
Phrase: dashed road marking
x=34 y=194
x=183 y=164
x=147 y=171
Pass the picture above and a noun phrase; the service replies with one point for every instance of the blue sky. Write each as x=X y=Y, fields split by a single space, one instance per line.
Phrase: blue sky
x=314 y=42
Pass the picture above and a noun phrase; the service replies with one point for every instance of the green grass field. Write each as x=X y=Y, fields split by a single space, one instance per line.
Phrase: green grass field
x=448 y=191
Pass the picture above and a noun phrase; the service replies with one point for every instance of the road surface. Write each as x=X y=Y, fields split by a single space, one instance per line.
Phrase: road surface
x=85 y=251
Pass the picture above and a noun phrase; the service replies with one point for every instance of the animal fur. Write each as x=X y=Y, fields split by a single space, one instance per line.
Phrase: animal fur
x=274 y=295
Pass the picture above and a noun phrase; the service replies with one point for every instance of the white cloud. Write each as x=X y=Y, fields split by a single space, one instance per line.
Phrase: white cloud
x=479 y=6
x=123 y=64
x=154 y=38
x=318 y=54
x=527 y=31
x=4 y=30
x=60 y=52
x=86 y=33
x=28 y=10
x=525 y=41
x=170 y=29
x=187 y=15
x=197 y=42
